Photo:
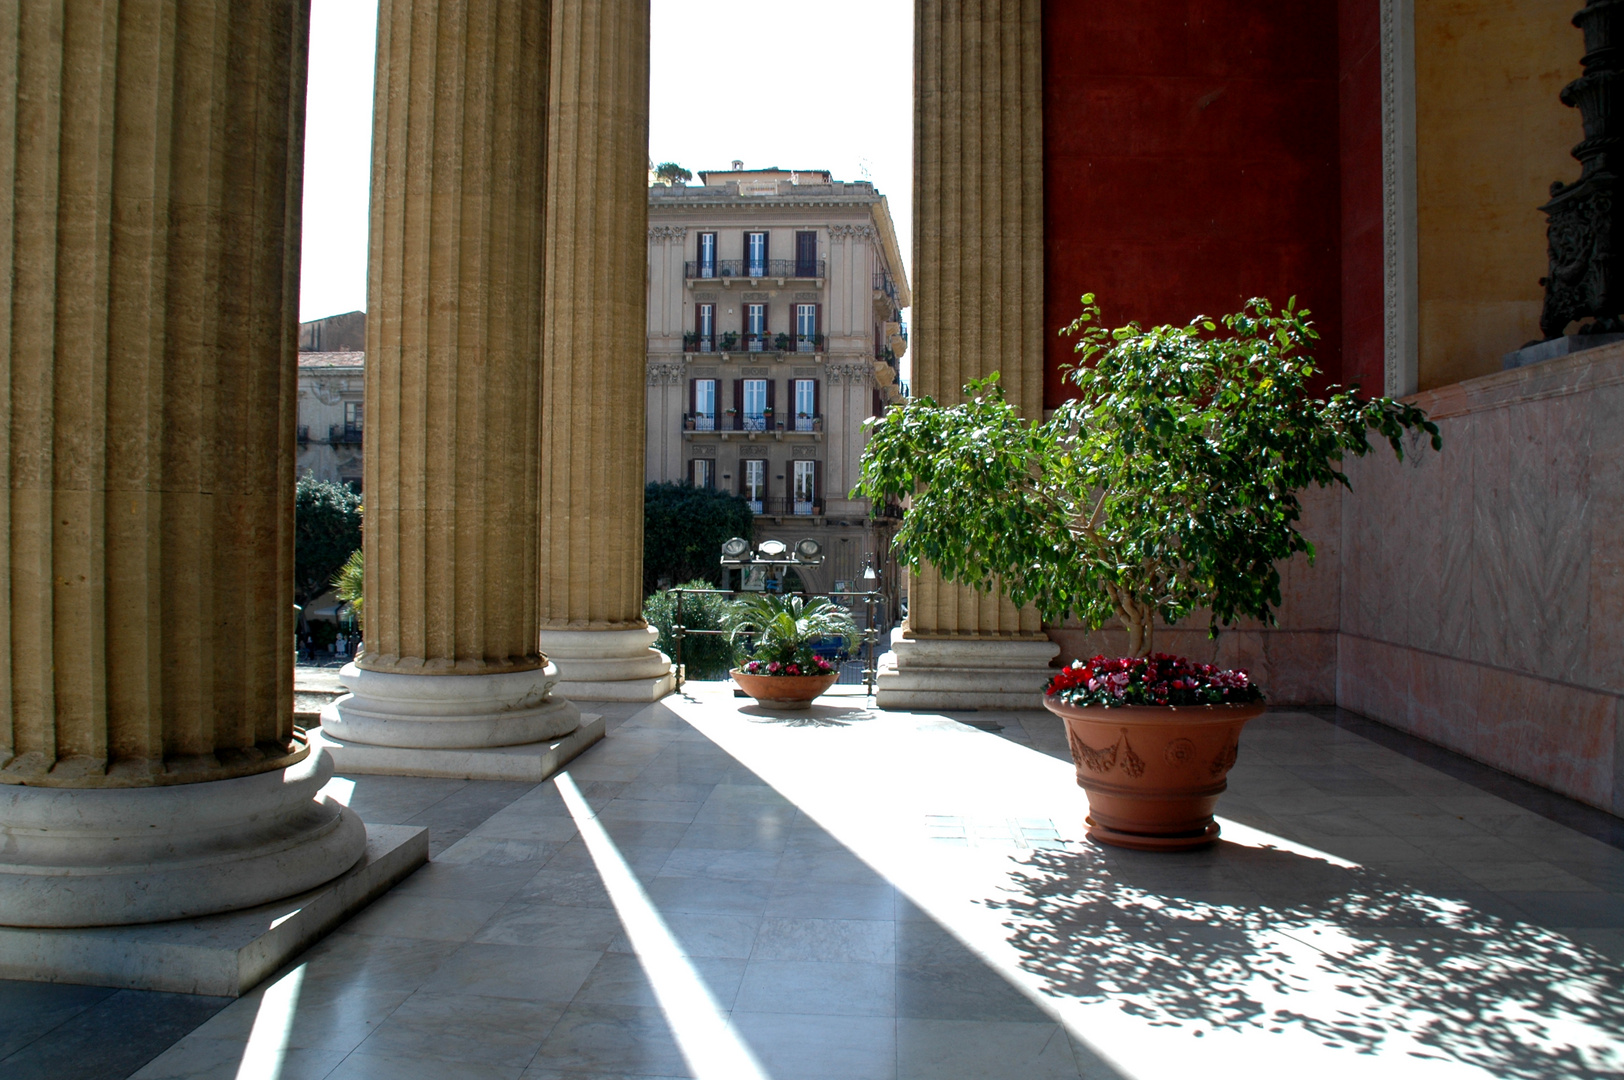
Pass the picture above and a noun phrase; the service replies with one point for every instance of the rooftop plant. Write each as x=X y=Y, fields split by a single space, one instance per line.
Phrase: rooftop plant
x=1169 y=483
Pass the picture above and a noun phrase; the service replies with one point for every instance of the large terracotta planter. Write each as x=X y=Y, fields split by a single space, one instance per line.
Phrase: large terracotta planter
x=784 y=691
x=1153 y=773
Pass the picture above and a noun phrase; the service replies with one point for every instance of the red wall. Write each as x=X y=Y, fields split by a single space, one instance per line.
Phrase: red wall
x=1360 y=71
x=1192 y=160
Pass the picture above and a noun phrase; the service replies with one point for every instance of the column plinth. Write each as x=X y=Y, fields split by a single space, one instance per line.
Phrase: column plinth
x=150 y=170
x=594 y=411
x=438 y=712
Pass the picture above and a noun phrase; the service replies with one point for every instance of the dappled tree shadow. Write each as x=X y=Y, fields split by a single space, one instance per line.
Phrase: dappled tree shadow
x=1345 y=953
x=815 y=716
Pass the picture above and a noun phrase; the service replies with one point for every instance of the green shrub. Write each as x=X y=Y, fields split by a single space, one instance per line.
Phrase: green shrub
x=706 y=656
x=327 y=528
x=322 y=633
x=683 y=531
x=349 y=581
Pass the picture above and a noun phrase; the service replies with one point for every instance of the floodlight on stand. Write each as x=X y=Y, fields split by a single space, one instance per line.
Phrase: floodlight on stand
x=736 y=549
x=809 y=551
x=771 y=549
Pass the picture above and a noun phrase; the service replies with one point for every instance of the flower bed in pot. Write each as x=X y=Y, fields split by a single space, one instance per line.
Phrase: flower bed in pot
x=1153 y=739
x=785 y=686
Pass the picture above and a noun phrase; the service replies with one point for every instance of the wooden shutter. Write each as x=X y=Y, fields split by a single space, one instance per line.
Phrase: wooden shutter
x=693 y=397
x=772 y=385
x=817 y=485
x=817 y=320
x=817 y=397
x=738 y=404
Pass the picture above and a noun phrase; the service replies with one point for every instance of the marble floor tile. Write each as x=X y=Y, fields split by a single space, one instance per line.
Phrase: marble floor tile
x=112 y=1038
x=830 y=900
x=968 y=990
x=553 y=926
x=620 y=979
x=705 y=896
x=729 y=937
x=983 y=1050
x=196 y=1058
x=467 y=881
x=595 y=1039
x=800 y=1047
x=29 y=1010
x=464 y=1027
x=432 y=917
x=510 y=971
x=865 y=941
x=723 y=863
x=818 y=987
x=572 y=888
x=371 y=1066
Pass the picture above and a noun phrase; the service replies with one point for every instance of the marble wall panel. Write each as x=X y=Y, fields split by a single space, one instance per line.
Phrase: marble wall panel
x=1559 y=736
x=1443 y=700
x=1373 y=679
x=1605 y=603
x=1531 y=537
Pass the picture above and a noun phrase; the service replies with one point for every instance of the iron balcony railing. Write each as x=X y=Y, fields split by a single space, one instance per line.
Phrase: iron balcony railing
x=785 y=506
x=304 y=434
x=762 y=421
x=884 y=283
x=344 y=435
x=758 y=268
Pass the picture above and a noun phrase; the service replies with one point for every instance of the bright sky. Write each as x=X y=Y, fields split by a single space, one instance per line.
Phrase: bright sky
x=825 y=86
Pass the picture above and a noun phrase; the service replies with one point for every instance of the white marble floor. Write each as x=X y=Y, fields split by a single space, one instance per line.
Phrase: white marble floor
x=717 y=892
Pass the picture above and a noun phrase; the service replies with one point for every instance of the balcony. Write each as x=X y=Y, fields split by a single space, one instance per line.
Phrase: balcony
x=782 y=269
x=344 y=435
x=752 y=424
x=698 y=343
x=304 y=435
x=786 y=506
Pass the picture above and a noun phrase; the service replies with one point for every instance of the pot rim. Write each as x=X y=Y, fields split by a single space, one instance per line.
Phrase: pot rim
x=1147 y=712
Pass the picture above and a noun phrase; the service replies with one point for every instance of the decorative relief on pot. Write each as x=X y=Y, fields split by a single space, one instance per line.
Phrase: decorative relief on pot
x=1225 y=760
x=1104 y=760
x=1180 y=752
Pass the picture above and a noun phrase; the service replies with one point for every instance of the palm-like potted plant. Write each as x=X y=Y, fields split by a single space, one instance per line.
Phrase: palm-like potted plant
x=782 y=671
x=1166 y=486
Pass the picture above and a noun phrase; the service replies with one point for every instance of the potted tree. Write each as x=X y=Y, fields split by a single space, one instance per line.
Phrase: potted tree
x=1167 y=485
x=781 y=670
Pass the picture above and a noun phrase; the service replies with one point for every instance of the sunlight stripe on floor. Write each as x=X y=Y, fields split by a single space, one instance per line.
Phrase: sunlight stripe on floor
x=711 y=1047
x=267 y=1045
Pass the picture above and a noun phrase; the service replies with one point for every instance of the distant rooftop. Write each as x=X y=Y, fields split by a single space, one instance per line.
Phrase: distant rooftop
x=710 y=177
x=332 y=359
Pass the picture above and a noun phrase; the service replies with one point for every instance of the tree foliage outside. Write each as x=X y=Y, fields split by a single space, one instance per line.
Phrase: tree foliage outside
x=669 y=172
x=1168 y=484
x=327 y=528
x=683 y=530
x=705 y=656
x=783 y=629
x=349 y=582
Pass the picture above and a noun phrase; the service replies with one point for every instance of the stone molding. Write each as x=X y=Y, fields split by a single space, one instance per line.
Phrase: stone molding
x=1400 y=280
x=852 y=232
x=665 y=373
x=858 y=371
x=665 y=234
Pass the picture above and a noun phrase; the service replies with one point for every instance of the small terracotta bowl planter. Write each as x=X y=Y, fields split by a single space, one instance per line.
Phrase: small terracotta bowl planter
x=784 y=691
x=1153 y=773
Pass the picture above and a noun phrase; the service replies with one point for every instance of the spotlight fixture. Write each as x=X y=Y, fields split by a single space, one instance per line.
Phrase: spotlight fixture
x=771 y=549
x=736 y=548
x=809 y=550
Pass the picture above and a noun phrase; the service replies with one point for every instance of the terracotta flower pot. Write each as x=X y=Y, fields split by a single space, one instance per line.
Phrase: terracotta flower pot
x=784 y=691
x=1153 y=773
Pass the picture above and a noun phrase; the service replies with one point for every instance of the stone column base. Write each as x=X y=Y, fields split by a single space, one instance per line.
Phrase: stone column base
x=448 y=712
x=222 y=955
x=115 y=856
x=964 y=673
x=609 y=665
x=530 y=762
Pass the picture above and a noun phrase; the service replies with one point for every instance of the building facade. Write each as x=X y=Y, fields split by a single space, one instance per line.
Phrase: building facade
x=775 y=330
x=331 y=399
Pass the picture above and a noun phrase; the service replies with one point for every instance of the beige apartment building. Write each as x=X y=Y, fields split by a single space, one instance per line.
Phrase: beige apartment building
x=775 y=329
x=332 y=395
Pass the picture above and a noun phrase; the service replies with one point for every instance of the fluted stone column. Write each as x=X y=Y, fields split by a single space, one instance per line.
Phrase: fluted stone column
x=150 y=173
x=978 y=308
x=594 y=344
x=450 y=660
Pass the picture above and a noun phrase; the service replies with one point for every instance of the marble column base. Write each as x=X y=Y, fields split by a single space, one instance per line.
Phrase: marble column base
x=963 y=673
x=116 y=856
x=609 y=665
x=448 y=712
x=221 y=955
x=531 y=762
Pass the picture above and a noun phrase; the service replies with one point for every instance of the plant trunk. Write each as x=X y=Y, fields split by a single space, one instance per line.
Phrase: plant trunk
x=1141 y=630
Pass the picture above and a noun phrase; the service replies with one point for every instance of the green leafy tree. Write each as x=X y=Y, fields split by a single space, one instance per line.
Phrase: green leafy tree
x=705 y=656
x=784 y=628
x=683 y=530
x=1168 y=484
x=669 y=172
x=327 y=528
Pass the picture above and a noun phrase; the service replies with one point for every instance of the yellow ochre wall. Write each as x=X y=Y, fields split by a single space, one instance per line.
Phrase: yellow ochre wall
x=1491 y=135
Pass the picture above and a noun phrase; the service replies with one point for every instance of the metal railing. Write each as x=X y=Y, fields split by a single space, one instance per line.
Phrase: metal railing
x=763 y=422
x=868 y=635
x=344 y=435
x=787 y=506
x=806 y=269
